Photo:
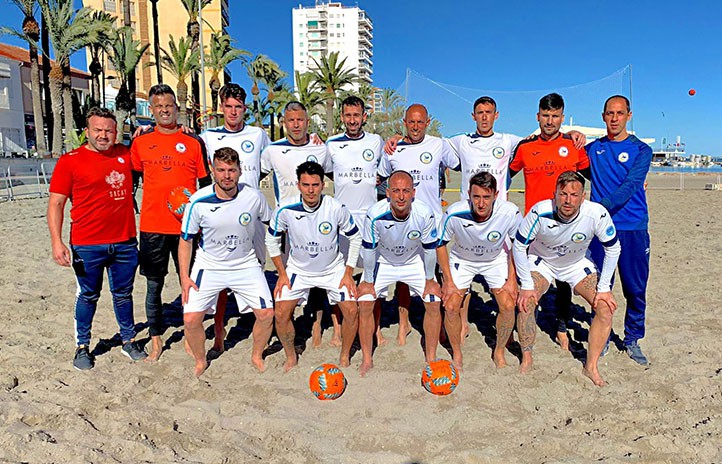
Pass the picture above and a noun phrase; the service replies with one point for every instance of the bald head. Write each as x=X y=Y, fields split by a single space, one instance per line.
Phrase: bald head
x=416 y=121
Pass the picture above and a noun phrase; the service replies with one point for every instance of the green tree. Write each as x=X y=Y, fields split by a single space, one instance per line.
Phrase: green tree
x=331 y=76
x=307 y=92
x=220 y=55
x=181 y=62
x=193 y=30
x=95 y=66
x=262 y=70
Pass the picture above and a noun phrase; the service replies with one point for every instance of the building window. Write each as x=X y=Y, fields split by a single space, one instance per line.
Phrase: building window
x=300 y=44
x=300 y=53
x=109 y=5
x=338 y=26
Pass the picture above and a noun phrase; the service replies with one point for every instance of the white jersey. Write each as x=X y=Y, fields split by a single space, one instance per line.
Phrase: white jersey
x=355 y=162
x=423 y=161
x=249 y=142
x=226 y=227
x=399 y=242
x=313 y=235
x=562 y=244
x=490 y=154
x=479 y=242
x=283 y=158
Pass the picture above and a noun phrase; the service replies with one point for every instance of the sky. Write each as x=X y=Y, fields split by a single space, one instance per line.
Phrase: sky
x=517 y=46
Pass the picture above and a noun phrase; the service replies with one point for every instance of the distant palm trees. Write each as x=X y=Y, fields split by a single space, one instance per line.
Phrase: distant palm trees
x=181 y=61
x=331 y=76
x=220 y=55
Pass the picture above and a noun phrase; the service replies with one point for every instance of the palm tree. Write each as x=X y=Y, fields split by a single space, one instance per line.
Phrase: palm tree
x=124 y=54
x=307 y=92
x=96 y=66
x=69 y=31
x=220 y=55
x=262 y=69
x=181 y=62
x=31 y=34
x=193 y=30
x=390 y=99
x=331 y=76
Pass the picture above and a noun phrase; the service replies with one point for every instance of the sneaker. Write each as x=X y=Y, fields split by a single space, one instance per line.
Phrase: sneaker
x=83 y=360
x=635 y=352
x=133 y=351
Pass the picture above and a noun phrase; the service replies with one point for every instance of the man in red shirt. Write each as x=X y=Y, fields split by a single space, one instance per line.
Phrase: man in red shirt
x=167 y=157
x=542 y=158
x=98 y=181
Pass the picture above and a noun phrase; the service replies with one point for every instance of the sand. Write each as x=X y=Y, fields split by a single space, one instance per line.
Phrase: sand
x=119 y=411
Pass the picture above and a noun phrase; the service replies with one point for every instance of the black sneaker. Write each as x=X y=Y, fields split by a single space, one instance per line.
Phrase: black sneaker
x=83 y=360
x=133 y=351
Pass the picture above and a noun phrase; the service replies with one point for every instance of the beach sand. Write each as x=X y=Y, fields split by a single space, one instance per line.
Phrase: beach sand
x=119 y=411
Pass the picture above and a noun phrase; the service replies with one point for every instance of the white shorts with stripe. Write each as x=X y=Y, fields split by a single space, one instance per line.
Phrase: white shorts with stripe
x=411 y=274
x=572 y=274
x=249 y=285
x=494 y=272
x=301 y=283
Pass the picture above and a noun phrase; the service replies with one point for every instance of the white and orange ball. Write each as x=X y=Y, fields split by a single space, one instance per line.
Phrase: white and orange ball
x=327 y=382
x=440 y=377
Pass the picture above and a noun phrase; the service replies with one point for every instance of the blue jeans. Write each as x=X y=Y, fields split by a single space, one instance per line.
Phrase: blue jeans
x=89 y=263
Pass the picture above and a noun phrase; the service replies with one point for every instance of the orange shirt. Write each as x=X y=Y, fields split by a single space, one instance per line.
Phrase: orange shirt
x=166 y=161
x=542 y=162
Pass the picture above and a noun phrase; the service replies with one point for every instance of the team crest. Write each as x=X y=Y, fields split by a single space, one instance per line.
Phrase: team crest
x=368 y=154
x=247 y=146
x=610 y=231
x=325 y=228
x=115 y=179
x=180 y=147
x=493 y=236
x=623 y=157
x=426 y=157
x=312 y=158
x=497 y=152
x=563 y=152
x=244 y=219
x=121 y=160
x=414 y=235
x=578 y=237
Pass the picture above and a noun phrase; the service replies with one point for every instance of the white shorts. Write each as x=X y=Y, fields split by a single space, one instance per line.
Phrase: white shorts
x=495 y=272
x=411 y=274
x=249 y=286
x=572 y=274
x=301 y=283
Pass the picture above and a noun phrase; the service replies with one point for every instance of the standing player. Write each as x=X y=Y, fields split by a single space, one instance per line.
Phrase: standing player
x=248 y=142
x=620 y=163
x=98 y=181
x=543 y=158
x=313 y=224
x=556 y=233
x=396 y=234
x=226 y=214
x=479 y=227
x=167 y=157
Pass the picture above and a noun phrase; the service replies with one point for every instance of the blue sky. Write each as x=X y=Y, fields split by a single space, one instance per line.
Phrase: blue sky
x=523 y=45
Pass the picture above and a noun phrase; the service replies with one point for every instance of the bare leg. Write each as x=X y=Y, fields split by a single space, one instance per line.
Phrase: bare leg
x=349 y=328
x=219 y=323
x=598 y=331
x=366 y=335
x=453 y=323
x=432 y=327
x=526 y=324
x=316 y=334
x=156 y=348
x=404 y=299
x=465 y=318
x=337 y=330
x=504 y=324
x=380 y=340
x=286 y=332
x=262 y=329
x=196 y=337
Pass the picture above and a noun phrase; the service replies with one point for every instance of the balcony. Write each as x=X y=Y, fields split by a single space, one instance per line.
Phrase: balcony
x=365 y=21
x=362 y=30
x=363 y=40
x=364 y=49
x=318 y=44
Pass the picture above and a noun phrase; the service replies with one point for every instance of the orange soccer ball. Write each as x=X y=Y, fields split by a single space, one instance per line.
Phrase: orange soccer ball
x=177 y=200
x=440 y=377
x=327 y=382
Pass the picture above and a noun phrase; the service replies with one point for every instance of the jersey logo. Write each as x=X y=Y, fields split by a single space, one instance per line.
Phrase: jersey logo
x=426 y=157
x=497 y=152
x=466 y=226
x=413 y=235
x=563 y=152
x=325 y=227
x=471 y=142
x=388 y=226
x=623 y=157
x=222 y=137
x=368 y=154
x=312 y=249
x=213 y=210
x=115 y=179
x=180 y=147
x=610 y=231
x=152 y=147
x=599 y=152
x=578 y=237
x=312 y=158
x=285 y=151
x=343 y=146
x=494 y=236
x=247 y=146
x=535 y=153
x=298 y=218
x=551 y=226
x=244 y=219
x=399 y=150
x=121 y=160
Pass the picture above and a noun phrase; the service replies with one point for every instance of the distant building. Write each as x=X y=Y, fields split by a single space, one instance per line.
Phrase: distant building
x=332 y=27
x=17 y=127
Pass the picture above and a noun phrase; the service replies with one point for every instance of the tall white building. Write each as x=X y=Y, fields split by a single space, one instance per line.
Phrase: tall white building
x=331 y=27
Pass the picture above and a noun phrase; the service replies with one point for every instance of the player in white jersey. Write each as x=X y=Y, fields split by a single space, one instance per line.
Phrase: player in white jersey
x=557 y=233
x=224 y=214
x=481 y=229
x=399 y=242
x=313 y=224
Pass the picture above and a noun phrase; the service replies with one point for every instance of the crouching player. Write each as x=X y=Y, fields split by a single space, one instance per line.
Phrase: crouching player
x=479 y=227
x=225 y=213
x=556 y=233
